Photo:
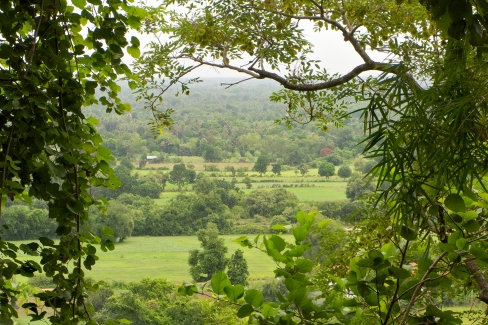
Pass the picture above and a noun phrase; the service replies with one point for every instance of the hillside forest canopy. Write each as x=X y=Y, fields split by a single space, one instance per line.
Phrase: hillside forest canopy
x=418 y=240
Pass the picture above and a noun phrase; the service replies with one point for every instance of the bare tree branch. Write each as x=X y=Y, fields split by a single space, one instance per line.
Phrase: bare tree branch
x=221 y=66
x=419 y=286
x=235 y=83
x=375 y=66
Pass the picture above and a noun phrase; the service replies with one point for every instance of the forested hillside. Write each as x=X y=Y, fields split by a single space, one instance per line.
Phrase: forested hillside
x=234 y=125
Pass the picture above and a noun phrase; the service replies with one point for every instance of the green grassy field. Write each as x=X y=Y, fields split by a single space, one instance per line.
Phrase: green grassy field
x=329 y=191
x=167 y=257
x=321 y=192
x=165 y=197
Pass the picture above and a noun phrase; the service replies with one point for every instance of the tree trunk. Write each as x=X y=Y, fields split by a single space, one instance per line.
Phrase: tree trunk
x=479 y=278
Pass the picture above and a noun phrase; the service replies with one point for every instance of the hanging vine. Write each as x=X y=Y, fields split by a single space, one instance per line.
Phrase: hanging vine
x=54 y=55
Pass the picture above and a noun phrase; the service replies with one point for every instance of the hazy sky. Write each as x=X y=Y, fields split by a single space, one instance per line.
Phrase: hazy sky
x=336 y=55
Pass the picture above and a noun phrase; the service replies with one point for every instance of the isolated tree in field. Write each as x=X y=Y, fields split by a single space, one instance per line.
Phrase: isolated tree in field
x=359 y=164
x=142 y=161
x=326 y=169
x=237 y=268
x=231 y=169
x=303 y=168
x=261 y=164
x=191 y=175
x=119 y=217
x=211 y=153
x=179 y=175
x=276 y=169
x=211 y=259
x=162 y=178
x=248 y=181
x=358 y=186
x=344 y=172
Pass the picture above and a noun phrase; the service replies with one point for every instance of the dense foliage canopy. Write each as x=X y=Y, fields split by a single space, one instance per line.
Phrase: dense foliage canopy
x=425 y=113
x=53 y=57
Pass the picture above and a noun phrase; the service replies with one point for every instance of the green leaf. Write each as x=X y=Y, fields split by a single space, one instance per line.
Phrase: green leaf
x=187 y=289
x=218 y=282
x=9 y=253
x=390 y=250
x=461 y=243
x=424 y=264
x=124 y=321
x=398 y=273
x=296 y=251
x=76 y=207
x=134 y=51
x=135 y=41
x=363 y=289
x=109 y=244
x=469 y=193
x=445 y=247
x=280 y=227
x=433 y=311
x=104 y=153
x=254 y=297
x=460 y=272
x=365 y=262
x=469 y=215
x=46 y=241
x=134 y=22
x=92 y=120
x=373 y=254
x=79 y=3
x=324 y=223
x=454 y=237
x=292 y=284
x=434 y=210
x=472 y=226
x=300 y=233
x=408 y=233
x=304 y=265
x=243 y=241
x=234 y=293
x=455 y=202
x=478 y=252
x=107 y=232
x=302 y=217
x=278 y=243
x=268 y=311
x=57 y=170
x=132 y=85
x=245 y=311
x=299 y=297
x=89 y=261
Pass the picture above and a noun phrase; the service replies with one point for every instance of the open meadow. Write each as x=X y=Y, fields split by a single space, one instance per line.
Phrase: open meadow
x=167 y=257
